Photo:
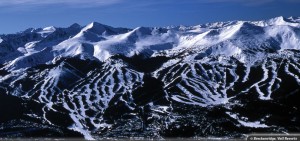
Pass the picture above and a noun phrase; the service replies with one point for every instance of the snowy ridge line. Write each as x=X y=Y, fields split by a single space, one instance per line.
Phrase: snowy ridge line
x=101 y=42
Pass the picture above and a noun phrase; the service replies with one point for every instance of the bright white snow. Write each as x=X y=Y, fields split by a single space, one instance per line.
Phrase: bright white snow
x=223 y=38
x=47 y=30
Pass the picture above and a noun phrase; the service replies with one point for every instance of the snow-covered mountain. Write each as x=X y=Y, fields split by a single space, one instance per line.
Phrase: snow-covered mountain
x=220 y=79
x=239 y=39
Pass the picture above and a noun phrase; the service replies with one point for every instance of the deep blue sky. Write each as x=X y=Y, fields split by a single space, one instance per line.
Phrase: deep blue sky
x=18 y=15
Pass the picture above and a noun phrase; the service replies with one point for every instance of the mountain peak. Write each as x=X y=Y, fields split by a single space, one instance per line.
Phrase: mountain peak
x=279 y=17
x=49 y=28
x=143 y=30
x=96 y=24
x=75 y=25
x=96 y=28
x=277 y=21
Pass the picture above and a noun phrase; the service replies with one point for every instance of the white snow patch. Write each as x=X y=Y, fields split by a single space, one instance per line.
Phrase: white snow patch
x=255 y=124
x=47 y=30
x=87 y=135
x=228 y=50
x=22 y=50
x=29 y=48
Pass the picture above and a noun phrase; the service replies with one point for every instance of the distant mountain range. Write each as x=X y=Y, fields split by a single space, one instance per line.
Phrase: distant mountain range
x=217 y=80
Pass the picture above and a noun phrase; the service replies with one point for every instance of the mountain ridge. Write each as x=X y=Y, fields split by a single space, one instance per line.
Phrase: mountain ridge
x=108 y=41
x=211 y=80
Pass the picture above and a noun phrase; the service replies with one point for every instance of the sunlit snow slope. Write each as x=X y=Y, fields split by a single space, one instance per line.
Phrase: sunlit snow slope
x=222 y=79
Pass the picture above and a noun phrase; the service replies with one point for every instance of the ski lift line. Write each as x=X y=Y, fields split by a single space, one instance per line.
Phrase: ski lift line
x=280 y=64
x=74 y=68
x=72 y=73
